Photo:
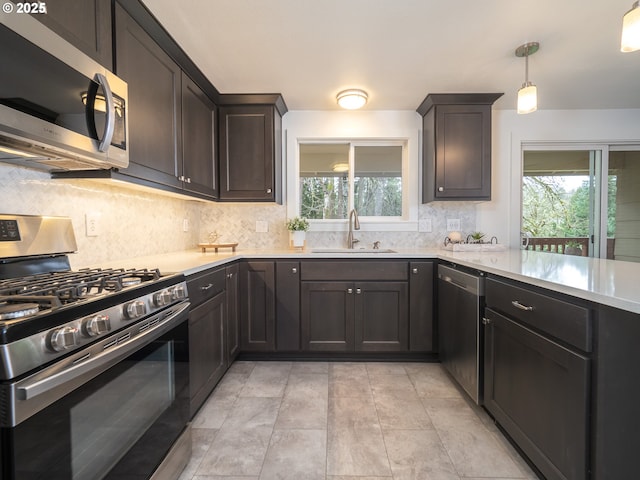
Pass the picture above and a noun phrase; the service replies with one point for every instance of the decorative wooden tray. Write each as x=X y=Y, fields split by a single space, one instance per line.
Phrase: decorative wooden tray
x=204 y=246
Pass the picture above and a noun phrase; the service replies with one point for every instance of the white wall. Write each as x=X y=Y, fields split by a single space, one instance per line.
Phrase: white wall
x=510 y=130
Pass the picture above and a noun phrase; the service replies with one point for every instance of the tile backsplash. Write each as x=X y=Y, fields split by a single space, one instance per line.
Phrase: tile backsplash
x=138 y=223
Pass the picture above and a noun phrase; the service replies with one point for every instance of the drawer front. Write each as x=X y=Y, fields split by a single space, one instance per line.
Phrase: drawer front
x=205 y=285
x=563 y=320
x=355 y=271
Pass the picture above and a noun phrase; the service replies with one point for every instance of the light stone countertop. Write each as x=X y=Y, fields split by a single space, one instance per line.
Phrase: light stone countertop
x=613 y=283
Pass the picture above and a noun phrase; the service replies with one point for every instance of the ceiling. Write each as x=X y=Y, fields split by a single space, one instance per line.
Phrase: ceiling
x=401 y=50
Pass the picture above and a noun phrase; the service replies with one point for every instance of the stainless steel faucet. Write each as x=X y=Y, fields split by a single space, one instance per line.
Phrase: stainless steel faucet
x=354 y=223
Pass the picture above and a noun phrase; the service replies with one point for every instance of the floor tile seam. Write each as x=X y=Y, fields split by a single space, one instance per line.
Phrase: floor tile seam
x=386 y=450
x=226 y=417
x=273 y=427
x=444 y=446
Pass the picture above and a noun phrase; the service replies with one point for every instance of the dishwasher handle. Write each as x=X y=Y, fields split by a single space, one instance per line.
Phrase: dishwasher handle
x=466 y=287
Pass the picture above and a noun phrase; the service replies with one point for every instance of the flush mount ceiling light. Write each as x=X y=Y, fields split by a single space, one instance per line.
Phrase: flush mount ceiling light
x=631 y=29
x=528 y=94
x=352 y=99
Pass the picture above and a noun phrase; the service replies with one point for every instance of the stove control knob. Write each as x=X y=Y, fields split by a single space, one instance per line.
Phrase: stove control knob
x=96 y=325
x=135 y=309
x=160 y=299
x=62 y=338
x=178 y=292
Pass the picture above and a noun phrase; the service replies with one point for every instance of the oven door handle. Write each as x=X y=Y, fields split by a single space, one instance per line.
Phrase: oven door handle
x=93 y=366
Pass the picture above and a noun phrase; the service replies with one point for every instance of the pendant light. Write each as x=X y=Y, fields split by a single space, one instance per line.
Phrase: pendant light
x=528 y=94
x=631 y=29
x=352 y=99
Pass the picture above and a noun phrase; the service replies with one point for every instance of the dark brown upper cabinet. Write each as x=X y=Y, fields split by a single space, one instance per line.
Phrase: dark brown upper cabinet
x=155 y=89
x=198 y=168
x=456 y=155
x=250 y=136
x=86 y=25
x=172 y=120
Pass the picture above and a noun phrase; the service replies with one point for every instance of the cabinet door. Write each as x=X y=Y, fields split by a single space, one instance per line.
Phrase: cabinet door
x=463 y=152
x=539 y=392
x=247 y=168
x=421 y=328
x=154 y=82
x=207 y=360
x=198 y=123
x=233 y=330
x=327 y=316
x=86 y=25
x=381 y=317
x=287 y=306
x=257 y=311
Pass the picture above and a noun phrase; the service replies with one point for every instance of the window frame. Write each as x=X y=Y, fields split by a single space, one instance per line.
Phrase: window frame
x=406 y=222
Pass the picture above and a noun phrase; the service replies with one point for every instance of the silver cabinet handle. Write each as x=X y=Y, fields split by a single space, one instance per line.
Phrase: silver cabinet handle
x=414 y=271
x=181 y=178
x=110 y=124
x=206 y=287
x=294 y=270
x=349 y=291
x=441 y=189
x=188 y=179
x=268 y=190
x=517 y=304
x=358 y=291
x=486 y=321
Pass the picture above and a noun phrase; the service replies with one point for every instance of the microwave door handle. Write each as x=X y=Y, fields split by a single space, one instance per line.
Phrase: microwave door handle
x=110 y=124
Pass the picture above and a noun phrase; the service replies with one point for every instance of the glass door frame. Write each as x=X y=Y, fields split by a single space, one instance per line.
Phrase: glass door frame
x=598 y=182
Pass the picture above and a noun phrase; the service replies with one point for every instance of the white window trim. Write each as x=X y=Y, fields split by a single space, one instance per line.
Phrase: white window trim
x=410 y=178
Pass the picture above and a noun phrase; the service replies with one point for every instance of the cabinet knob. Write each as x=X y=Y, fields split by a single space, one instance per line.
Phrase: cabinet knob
x=294 y=270
x=181 y=178
x=414 y=271
x=188 y=179
x=441 y=189
x=268 y=190
x=349 y=291
x=358 y=291
x=485 y=321
x=230 y=275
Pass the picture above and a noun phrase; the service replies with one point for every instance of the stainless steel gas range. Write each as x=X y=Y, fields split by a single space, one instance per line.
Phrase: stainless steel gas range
x=94 y=370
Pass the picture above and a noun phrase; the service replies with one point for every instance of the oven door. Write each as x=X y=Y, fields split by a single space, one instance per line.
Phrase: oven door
x=122 y=420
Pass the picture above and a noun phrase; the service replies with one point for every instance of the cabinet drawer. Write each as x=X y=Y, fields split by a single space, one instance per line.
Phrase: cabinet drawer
x=205 y=285
x=354 y=271
x=565 y=321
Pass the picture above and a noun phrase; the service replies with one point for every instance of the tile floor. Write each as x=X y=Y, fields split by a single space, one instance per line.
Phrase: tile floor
x=345 y=421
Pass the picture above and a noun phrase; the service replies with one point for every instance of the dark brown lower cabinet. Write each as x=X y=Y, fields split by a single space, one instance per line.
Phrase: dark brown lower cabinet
x=232 y=273
x=354 y=316
x=538 y=391
x=287 y=306
x=257 y=308
x=207 y=355
x=327 y=316
x=421 y=324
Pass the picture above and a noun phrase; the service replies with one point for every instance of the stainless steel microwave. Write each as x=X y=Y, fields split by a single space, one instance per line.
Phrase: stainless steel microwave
x=59 y=109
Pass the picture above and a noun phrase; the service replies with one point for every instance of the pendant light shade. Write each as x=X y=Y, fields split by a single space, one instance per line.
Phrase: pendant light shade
x=528 y=98
x=631 y=30
x=528 y=94
x=352 y=99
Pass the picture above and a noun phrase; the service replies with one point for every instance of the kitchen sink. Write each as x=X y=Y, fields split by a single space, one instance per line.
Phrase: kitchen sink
x=352 y=250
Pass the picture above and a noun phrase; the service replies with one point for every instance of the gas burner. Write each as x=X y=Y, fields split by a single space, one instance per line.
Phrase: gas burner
x=11 y=311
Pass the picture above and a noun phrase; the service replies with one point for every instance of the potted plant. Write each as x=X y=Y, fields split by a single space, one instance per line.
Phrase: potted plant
x=477 y=237
x=297 y=227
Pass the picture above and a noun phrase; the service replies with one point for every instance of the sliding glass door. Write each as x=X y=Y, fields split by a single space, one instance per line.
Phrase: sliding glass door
x=582 y=201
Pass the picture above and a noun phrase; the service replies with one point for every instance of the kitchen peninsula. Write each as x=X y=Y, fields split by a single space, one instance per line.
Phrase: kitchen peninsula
x=587 y=354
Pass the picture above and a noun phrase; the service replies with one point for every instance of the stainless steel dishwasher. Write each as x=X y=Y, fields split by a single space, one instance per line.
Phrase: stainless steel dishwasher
x=460 y=304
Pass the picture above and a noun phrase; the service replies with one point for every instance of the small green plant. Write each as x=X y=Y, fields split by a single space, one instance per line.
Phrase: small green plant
x=477 y=236
x=298 y=224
